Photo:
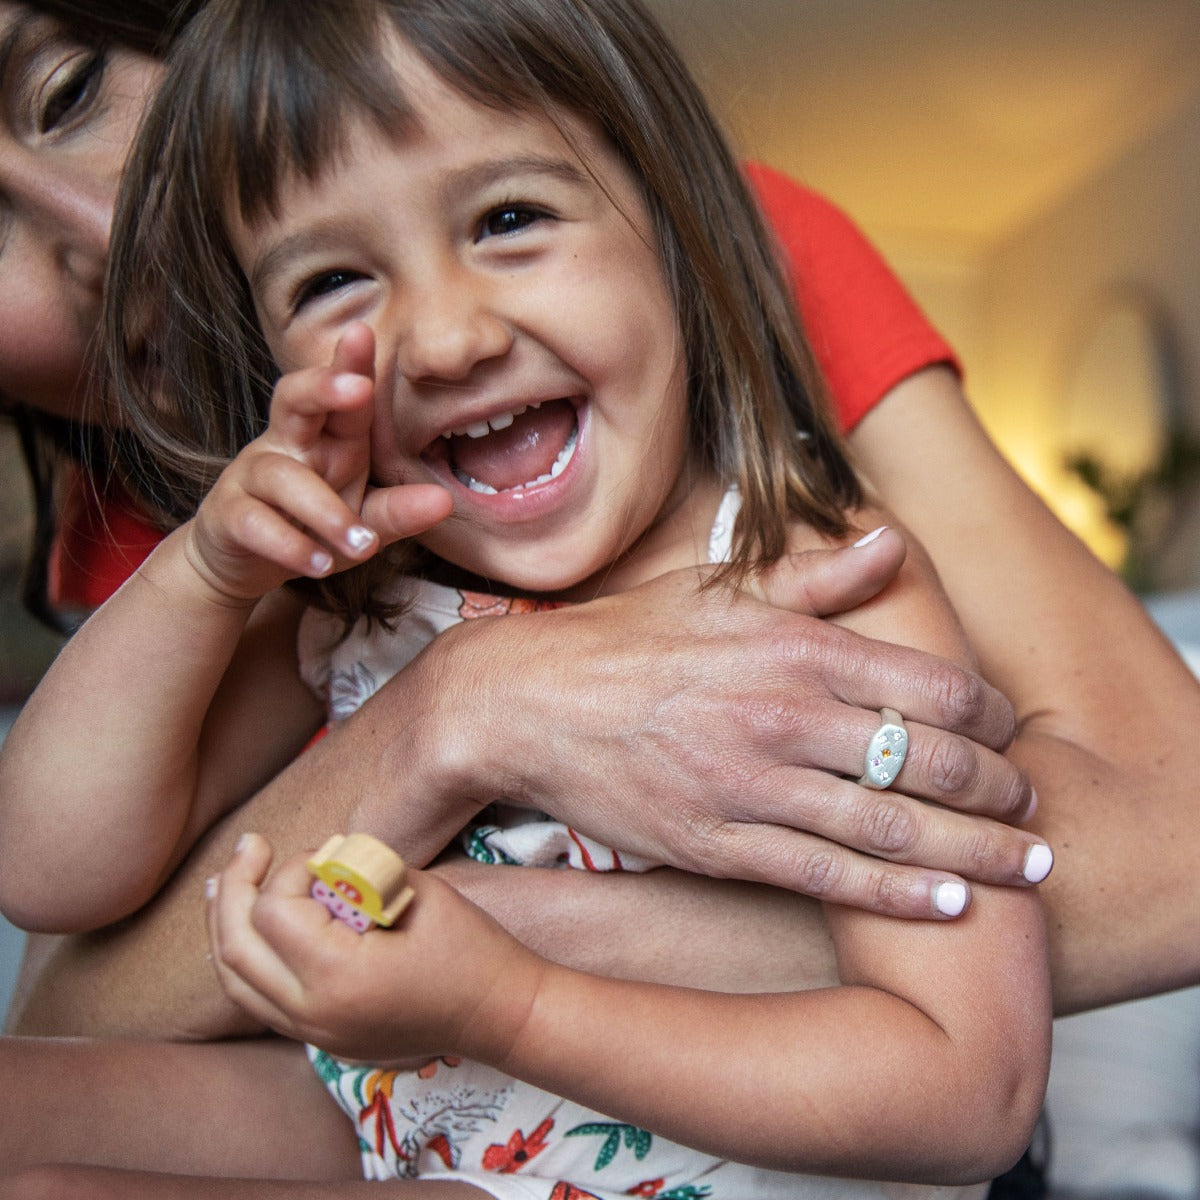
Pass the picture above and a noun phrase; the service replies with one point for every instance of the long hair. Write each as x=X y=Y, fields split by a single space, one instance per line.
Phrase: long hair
x=262 y=90
x=45 y=439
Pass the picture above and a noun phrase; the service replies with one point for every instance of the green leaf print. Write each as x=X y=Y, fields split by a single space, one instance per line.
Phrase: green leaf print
x=637 y=1140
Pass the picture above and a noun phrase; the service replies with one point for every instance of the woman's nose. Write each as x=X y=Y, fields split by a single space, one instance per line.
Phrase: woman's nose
x=450 y=327
x=70 y=213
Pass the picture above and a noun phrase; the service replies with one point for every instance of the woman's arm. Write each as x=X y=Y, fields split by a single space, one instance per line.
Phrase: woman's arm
x=929 y=1066
x=1106 y=710
x=413 y=763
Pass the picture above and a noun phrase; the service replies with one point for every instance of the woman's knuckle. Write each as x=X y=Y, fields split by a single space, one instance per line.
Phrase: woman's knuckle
x=962 y=695
x=980 y=854
x=889 y=828
x=887 y=892
x=818 y=872
x=952 y=767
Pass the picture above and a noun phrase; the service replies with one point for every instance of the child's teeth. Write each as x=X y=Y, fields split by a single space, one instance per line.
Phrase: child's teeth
x=556 y=469
x=483 y=428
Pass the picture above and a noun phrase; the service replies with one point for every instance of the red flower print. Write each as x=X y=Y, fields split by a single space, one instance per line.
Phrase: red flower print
x=441 y=1146
x=480 y=604
x=651 y=1187
x=429 y=1070
x=568 y=1191
x=510 y=1158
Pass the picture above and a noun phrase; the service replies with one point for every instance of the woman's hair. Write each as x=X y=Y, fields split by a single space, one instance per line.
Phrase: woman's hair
x=148 y=26
x=45 y=439
x=266 y=90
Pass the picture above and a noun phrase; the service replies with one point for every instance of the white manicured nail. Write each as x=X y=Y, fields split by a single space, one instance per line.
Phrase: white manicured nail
x=950 y=898
x=868 y=538
x=1038 y=862
x=210 y=887
x=359 y=537
x=1033 y=806
x=320 y=562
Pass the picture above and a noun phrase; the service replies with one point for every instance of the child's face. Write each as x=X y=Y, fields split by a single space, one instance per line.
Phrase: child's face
x=515 y=291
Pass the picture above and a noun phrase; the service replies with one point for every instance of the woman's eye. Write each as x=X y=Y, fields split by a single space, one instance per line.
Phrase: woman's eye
x=511 y=218
x=71 y=89
x=323 y=285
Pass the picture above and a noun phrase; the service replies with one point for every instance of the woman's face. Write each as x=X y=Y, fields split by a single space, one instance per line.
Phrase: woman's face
x=68 y=113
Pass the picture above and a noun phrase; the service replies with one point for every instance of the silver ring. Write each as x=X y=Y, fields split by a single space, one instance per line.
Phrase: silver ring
x=886 y=751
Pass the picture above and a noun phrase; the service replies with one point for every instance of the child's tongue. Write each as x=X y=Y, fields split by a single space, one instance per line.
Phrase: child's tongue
x=507 y=458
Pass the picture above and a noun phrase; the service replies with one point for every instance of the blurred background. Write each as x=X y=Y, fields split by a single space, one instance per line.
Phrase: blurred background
x=1031 y=168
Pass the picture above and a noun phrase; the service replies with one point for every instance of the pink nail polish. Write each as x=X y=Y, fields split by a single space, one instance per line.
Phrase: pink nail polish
x=868 y=538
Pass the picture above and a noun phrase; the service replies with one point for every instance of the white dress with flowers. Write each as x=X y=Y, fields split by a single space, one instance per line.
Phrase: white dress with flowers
x=456 y=1119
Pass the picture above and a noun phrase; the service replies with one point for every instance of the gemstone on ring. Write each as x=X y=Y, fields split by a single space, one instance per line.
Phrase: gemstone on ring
x=886 y=751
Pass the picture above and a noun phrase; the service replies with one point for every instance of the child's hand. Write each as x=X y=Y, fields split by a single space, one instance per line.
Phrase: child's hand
x=446 y=979
x=296 y=500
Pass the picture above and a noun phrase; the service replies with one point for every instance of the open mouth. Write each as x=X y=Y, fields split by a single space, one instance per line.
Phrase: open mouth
x=512 y=452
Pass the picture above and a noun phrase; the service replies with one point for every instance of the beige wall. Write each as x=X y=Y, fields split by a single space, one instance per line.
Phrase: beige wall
x=1015 y=311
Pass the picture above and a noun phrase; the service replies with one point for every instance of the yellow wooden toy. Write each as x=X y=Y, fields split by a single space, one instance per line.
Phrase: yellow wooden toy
x=360 y=880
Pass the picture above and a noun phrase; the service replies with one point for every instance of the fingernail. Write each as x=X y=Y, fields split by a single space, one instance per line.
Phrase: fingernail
x=241 y=843
x=359 y=537
x=347 y=383
x=868 y=538
x=1033 y=806
x=950 y=898
x=321 y=562
x=210 y=887
x=1038 y=861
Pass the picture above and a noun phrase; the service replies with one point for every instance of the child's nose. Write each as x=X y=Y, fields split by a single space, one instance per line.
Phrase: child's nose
x=450 y=328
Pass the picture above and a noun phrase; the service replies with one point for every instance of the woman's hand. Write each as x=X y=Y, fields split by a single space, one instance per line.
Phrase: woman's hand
x=446 y=979
x=720 y=733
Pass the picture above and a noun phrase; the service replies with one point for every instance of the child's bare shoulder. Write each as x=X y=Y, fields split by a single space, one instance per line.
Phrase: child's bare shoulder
x=914 y=609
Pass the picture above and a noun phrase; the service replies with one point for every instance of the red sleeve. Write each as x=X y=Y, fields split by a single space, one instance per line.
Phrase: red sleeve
x=866 y=330
x=101 y=541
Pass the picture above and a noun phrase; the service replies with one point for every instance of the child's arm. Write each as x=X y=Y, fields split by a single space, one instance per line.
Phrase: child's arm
x=929 y=1064
x=181 y=695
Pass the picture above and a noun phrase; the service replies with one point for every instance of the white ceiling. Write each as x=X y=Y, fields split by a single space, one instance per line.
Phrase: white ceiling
x=941 y=120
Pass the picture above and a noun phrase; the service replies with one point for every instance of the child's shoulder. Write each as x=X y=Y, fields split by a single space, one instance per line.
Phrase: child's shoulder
x=913 y=609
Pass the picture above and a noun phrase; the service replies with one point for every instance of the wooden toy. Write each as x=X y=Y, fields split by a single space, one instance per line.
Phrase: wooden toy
x=360 y=880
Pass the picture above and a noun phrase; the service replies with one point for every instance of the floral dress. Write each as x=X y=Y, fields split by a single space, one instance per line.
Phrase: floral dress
x=457 y=1119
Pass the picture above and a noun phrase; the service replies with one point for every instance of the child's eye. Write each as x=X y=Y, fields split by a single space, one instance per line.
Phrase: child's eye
x=323 y=284
x=509 y=218
x=70 y=90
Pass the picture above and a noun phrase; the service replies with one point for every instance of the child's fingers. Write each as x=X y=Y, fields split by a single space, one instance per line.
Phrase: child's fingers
x=250 y=971
x=355 y=351
x=405 y=510
x=334 y=399
x=316 y=401
x=311 y=507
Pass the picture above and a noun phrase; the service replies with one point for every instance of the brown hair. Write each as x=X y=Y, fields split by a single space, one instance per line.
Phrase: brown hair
x=262 y=89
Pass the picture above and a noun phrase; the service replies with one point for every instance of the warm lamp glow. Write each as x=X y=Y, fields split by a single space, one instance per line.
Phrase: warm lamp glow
x=1078 y=507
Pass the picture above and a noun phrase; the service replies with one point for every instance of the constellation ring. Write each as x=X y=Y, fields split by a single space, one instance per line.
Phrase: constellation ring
x=886 y=751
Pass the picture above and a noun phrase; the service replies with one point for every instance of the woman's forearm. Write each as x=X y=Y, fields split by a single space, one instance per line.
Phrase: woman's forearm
x=152 y=978
x=1106 y=710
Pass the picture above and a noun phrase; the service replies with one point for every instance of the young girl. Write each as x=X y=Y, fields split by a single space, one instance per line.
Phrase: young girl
x=524 y=311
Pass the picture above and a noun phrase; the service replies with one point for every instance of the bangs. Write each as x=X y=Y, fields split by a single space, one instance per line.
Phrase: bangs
x=277 y=91
x=277 y=86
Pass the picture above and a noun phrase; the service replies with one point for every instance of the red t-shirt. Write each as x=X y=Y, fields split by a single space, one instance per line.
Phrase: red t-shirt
x=866 y=331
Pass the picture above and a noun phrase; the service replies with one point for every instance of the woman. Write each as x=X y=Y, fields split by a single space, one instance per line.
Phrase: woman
x=759 y=705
